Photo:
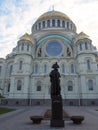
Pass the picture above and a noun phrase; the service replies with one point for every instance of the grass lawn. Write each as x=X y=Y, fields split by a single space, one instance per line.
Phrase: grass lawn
x=5 y=110
x=1 y=96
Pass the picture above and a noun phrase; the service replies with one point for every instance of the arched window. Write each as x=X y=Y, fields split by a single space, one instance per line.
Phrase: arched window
x=20 y=65
x=70 y=85
x=45 y=69
x=72 y=68
x=90 y=84
x=71 y=25
x=36 y=27
x=63 y=23
x=0 y=70
x=88 y=65
x=39 y=25
x=63 y=68
x=97 y=66
x=27 y=47
x=38 y=86
x=58 y=23
x=80 y=46
x=8 y=87
x=11 y=69
x=48 y=23
x=19 y=85
x=86 y=45
x=67 y=25
x=36 y=69
x=22 y=47
x=53 y=23
x=18 y=47
x=43 y=24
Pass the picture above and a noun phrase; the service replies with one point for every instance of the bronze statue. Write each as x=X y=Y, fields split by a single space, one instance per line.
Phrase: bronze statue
x=55 y=81
x=56 y=98
x=39 y=52
x=68 y=52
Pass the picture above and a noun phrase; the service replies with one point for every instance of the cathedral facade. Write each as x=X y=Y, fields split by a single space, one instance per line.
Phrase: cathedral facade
x=24 y=74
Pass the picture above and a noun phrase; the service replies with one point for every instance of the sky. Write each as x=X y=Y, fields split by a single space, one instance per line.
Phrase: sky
x=18 y=16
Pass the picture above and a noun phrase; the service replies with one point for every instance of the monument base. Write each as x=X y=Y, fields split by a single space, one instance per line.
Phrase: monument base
x=57 y=123
x=57 y=112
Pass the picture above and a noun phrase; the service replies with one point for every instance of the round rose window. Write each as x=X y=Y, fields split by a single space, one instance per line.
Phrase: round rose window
x=53 y=48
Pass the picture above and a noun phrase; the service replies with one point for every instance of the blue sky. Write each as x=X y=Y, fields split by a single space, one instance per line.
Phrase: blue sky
x=18 y=16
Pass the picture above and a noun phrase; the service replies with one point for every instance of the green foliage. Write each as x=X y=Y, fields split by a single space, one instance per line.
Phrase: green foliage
x=1 y=96
x=5 y=110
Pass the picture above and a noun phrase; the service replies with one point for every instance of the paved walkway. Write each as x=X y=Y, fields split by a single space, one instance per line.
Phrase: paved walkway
x=20 y=119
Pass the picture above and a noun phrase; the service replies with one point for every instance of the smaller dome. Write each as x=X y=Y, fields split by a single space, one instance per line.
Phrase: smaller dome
x=81 y=36
x=25 y=37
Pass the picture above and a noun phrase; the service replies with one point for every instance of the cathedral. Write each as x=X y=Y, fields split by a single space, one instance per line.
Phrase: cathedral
x=24 y=73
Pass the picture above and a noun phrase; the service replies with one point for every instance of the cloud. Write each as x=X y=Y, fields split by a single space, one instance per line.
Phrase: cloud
x=85 y=1
x=18 y=16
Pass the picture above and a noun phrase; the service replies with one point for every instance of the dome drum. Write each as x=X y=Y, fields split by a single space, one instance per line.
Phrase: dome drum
x=54 y=19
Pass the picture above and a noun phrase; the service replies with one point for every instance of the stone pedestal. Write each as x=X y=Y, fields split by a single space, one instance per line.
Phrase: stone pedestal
x=57 y=112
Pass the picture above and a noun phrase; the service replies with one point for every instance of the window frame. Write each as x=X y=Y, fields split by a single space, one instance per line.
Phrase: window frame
x=20 y=65
x=45 y=69
x=0 y=70
x=19 y=85
x=53 y=22
x=90 y=85
x=72 y=68
x=63 y=68
x=88 y=64
x=63 y=23
x=36 y=68
x=11 y=70
x=86 y=45
x=70 y=85
x=58 y=23
x=43 y=24
x=80 y=46
x=48 y=23
x=38 y=86
x=22 y=47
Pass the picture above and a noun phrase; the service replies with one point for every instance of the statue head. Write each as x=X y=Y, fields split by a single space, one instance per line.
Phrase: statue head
x=55 y=66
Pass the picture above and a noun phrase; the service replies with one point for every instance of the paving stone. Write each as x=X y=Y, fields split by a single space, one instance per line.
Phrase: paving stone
x=20 y=119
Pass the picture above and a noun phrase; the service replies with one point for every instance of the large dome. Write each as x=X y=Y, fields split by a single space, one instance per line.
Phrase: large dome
x=54 y=19
x=53 y=14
